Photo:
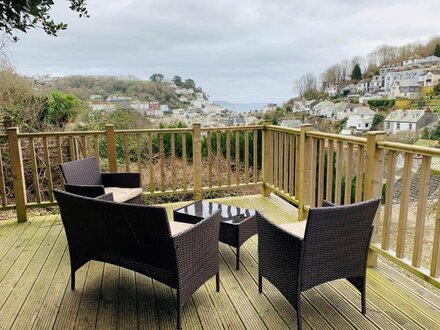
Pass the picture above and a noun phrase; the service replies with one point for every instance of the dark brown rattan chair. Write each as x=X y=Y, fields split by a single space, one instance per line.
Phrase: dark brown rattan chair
x=141 y=238
x=83 y=177
x=332 y=244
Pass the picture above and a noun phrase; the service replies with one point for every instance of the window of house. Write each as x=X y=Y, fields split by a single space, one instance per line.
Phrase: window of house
x=388 y=125
x=410 y=126
x=398 y=125
x=366 y=124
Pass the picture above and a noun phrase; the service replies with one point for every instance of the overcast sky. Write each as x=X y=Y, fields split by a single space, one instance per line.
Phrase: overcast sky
x=236 y=50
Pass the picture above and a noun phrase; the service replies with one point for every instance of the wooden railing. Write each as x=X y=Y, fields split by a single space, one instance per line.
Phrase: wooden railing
x=301 y=165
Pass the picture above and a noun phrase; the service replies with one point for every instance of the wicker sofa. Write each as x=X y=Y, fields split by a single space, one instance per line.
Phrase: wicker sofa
x=83 y=177
x=182 y=256
x=332 y=244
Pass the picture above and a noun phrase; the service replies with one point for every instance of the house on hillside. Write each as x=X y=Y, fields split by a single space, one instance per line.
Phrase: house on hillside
x=362 y=86
x=309 y=106
x=331 y=89
x=406 y=88
x=345 y=111
x=408 y=120
x=376 y=84
x=322 y=108
x=430 y=78
x=360 y=119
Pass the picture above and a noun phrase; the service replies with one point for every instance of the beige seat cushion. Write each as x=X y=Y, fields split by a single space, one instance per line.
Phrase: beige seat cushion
x=121 y=195
x=296 y=228
x=178 y=227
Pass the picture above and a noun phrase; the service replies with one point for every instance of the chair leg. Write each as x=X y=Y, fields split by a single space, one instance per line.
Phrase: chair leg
x=237 y=265
x=298 y=314
x=260 y=283
x=178 y=321
x=72 y=280
x=217 y=281
x=363 y=297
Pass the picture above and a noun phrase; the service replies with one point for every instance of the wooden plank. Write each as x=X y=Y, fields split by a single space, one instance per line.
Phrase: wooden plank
x=359 y=173
x=387 y=218
x=150 y=161
x=138 y=154
x=280 y=159
x=237 y=157
x=60 y=160
x=348 y=174
x=208 y=141
x=228 y=158
x=246 y=156
x=255 y=156
x=321 y=172
x=146 y=305
x=127 y=309
x=275 y=160
x=173 y=163
x=313 y=153
x=421 y=211
x=404 y=200
x=292 y=165
x=162 y=162
x=338 y=175
x=286 y=164
x=219 y=158
x=96 y=149
x=435 y=260
x=48 y=169
x=34 y=170
x=126 y=153
x=72 y=148
x=84 y=146
x=108 y=303
x=184 y=171
x=2 y=181
x=329 y=190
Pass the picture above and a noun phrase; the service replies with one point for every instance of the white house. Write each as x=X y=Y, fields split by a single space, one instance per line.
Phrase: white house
x=331 y=89
x=408 y=120
x=362 y=86
x=430 y=78
x=360 y=119
x=376 y=84
x=406 y=88
x=309 y=105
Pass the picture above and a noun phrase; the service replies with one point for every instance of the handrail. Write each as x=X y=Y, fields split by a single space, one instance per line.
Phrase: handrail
x=282 y=129
x=338 y=137
x=54 y=134
x=231 y=128
x=148 y=130
x=425 y=151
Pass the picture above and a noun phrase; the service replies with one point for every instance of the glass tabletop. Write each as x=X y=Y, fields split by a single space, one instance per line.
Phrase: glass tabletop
x=230 y=214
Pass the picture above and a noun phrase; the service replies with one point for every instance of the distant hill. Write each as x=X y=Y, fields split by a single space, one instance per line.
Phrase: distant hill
x=240 y=107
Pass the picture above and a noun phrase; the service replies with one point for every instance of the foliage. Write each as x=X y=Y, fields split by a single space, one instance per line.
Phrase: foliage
x=274 y=116
x=157 y=77
x=377 y=122
x=356 y=74
x=306 y=86
x=435 y=135
x=340 y=125
x=23 y=15
x=437 y=89
x=177 y=80
x=60 y=108
x=437 y=50
x=384 y=103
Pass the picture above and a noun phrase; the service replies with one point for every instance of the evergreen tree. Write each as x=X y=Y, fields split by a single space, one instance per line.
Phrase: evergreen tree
x=437 y=50
x=356 y=74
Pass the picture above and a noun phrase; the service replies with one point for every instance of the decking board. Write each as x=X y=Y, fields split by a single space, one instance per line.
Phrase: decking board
x=35 y=289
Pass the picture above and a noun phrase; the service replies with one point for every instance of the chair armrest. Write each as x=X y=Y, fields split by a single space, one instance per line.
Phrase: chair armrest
x=327 y=204
x=197 y=250
x=121 y=180
x=85 y=190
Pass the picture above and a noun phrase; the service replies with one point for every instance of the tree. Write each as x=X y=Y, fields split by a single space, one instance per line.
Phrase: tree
x=306 y=86
x=23 y=15
x=437 y=50
x=177 y=80
x=436 y=132
x=189 y=83
x=377 y=122
x=437 y=89
x=157 y=77
x=356 y=74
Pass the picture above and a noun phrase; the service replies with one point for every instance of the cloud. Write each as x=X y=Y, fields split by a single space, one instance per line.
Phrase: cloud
x=239 y=51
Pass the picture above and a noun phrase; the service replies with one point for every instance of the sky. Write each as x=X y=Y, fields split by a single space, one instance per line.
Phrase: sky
x=238 y=51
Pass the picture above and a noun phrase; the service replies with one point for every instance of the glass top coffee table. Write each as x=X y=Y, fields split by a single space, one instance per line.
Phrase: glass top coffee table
x=236 y=227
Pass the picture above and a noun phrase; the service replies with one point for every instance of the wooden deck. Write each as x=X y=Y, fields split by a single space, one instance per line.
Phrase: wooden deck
x=35 y=290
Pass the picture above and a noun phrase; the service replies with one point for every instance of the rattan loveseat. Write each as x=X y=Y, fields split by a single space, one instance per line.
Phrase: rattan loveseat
x=332 y=244
x=140 y=238
x=83 y=177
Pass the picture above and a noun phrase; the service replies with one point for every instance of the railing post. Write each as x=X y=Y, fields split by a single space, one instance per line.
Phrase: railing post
x=17 y=174
x=197 y=161
x=111 y=147
x=304 y=192
x=373 y=181
x=266 y=158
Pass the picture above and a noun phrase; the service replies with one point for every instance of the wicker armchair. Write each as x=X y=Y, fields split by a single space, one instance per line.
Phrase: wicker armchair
x=332 y=244
x=182 y=256
x=83 y=177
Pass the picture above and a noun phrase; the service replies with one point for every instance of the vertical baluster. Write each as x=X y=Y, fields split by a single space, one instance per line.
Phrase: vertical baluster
x=126 y=153
x=291 y=164
x=246 y=156
x=275 y=161
x=60 y=160
x=72 y=148
x=150 y=161
x=297 y=161
x=48 y=169
x=237 y=157
x=228 y=158
x=162 y=162
x=34 y=169
x=84 y=145
x=348 y=174
x=404 y=200
x=321 y=172
x=184 y=176
x=219 y=153
x=286 y=163
x=138 y=154
x=173 y=161
x=2 y=181
x=313 y=170
x=280 y=160
x=338 y=177
x=96 y=148
x=359 y=173
x=329 y=191
x=421 y=211
x=391 y=170
x=255 y=156
x=435 y=261
x=208 y=141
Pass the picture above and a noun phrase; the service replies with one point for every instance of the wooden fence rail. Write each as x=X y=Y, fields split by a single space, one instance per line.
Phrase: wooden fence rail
x=301 y=165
